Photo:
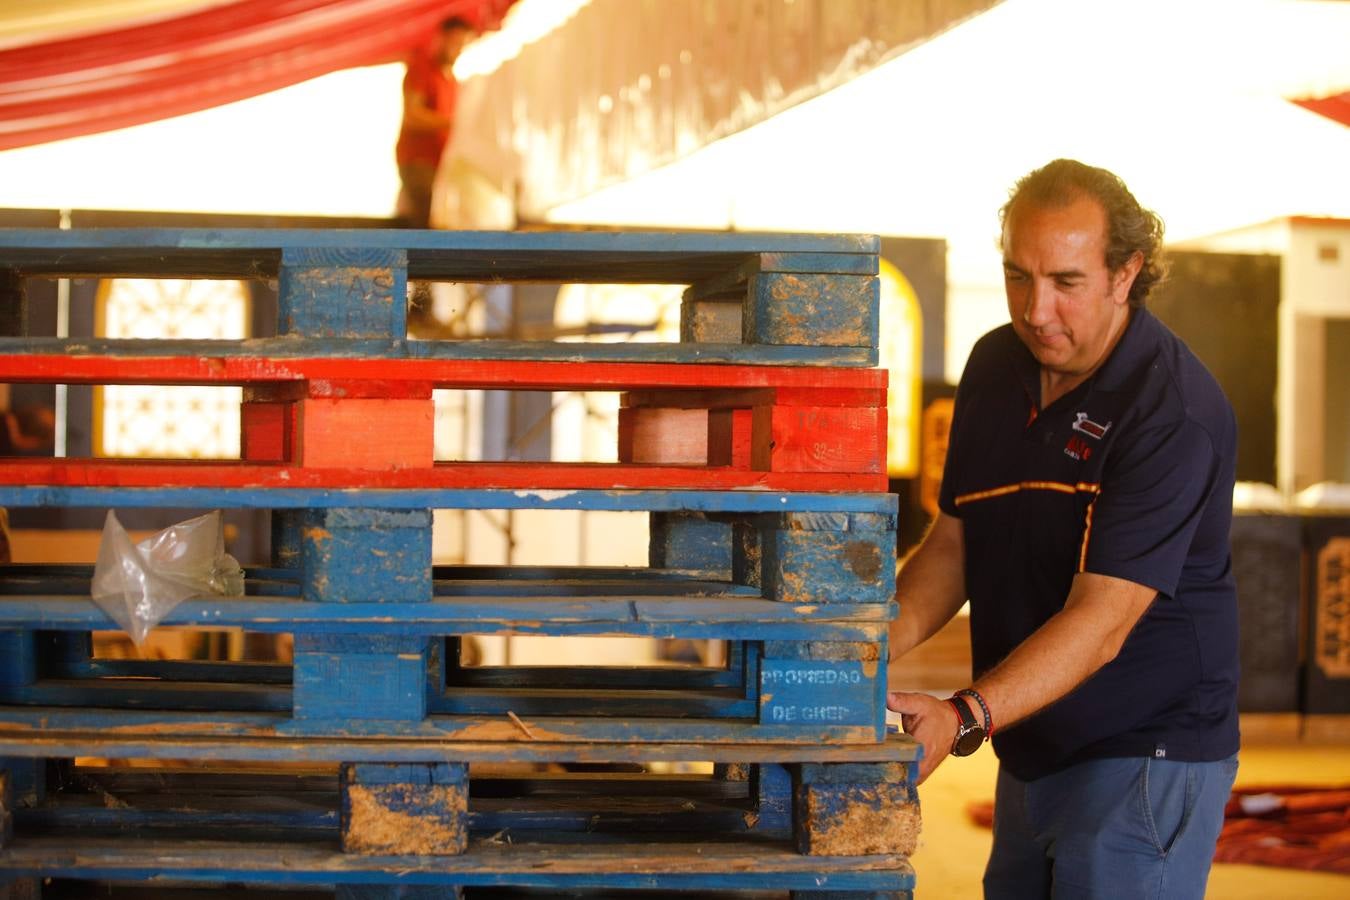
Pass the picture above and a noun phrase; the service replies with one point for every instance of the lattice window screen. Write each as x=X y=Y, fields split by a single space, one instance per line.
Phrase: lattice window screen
x=170 y=422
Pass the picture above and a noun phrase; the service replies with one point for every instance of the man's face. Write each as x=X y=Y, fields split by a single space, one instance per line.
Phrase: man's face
x=1066 y=306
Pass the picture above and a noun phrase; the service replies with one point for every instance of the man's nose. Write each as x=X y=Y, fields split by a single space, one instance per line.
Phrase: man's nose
x=1040 y=308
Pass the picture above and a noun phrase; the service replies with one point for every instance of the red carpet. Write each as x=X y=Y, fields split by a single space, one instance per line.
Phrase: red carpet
x=1293 y=827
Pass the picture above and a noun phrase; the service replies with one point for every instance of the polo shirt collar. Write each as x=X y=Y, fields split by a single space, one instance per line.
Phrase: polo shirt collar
x=1134 y=347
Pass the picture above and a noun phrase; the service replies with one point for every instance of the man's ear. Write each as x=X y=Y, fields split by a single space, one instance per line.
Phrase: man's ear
x=1122 y=279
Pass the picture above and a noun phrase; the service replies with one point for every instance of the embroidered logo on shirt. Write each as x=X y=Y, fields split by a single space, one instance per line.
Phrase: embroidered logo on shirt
x=1077 y=448
x=1090 y=428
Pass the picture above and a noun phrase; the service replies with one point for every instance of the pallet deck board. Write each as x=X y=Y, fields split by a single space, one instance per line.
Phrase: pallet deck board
x=421 y=497
x=477 y=350
x=110 y=732
x=634 y=615
x=81 y=361
x=164 y=743
x=22 y=480
x=486 y=862
x=448 y=580
x=568 y=256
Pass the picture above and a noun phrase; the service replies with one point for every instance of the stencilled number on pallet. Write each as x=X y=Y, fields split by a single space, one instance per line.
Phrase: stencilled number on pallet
x=343 y=292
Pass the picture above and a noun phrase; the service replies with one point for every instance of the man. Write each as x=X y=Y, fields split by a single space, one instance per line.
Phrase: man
x=428 y=113
x=1085 y=512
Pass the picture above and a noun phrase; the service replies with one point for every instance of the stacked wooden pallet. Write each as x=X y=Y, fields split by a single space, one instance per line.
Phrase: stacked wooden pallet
x=773 y=533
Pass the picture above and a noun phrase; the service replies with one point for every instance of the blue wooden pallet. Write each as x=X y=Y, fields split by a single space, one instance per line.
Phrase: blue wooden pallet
x=844 y=824
x=593 y=804
x=802 y=668
x=800 y=299
x=672 y=832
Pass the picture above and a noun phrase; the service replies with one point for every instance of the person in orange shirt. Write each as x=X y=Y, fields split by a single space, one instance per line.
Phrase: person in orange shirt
x=428 y=113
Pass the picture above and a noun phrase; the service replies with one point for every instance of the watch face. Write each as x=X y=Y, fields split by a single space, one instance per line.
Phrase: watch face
x=968 y=741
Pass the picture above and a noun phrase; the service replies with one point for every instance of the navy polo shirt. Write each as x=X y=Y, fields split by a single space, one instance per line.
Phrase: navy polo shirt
x=1129 y=475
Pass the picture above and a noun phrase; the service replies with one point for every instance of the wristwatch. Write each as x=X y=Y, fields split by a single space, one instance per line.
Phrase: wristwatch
x=969 y=733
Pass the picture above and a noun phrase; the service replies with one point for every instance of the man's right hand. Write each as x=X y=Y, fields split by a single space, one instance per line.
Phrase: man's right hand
x=930 y=721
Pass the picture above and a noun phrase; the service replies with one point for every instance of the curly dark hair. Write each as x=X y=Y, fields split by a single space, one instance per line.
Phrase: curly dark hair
x=1130 y=227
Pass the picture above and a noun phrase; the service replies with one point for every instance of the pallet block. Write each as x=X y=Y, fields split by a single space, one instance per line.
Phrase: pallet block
x=362 y=556
x=823 y=683
x=366 y=555
x=820 y=557
x=786 y=298
x=338 y=678
x=337 y=425
x=403 y=810
x=856 y=809
x=690 y=542
x=797 y=558
x=787 y=429
x=797 y=308
x=343 y=292
x=674 y=437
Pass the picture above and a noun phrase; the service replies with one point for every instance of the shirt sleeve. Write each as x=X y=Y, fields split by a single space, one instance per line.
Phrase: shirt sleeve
x=947 y=490
x=1141 y=525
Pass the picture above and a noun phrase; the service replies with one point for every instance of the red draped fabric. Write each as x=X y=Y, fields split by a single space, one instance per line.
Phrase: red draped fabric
x=110 y=79
x=1335 y=106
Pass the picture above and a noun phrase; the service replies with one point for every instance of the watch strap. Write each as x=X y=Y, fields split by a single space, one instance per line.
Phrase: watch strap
x=984 y=708
x=969 y=734
x=964 y=717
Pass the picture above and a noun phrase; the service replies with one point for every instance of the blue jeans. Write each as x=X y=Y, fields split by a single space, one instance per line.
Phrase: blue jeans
x=1108 y=828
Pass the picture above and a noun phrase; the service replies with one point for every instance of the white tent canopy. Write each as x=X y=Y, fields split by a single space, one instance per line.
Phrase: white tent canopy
x=1185 y=100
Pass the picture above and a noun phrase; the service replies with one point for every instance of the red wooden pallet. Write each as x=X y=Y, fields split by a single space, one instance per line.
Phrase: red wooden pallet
x=337 y=423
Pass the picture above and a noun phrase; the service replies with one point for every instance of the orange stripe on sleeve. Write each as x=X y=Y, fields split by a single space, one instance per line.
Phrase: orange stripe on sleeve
x=1057 y=486
x=1087 y=534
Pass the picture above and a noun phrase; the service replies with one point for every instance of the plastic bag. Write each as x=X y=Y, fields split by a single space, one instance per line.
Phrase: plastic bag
x=139 y=584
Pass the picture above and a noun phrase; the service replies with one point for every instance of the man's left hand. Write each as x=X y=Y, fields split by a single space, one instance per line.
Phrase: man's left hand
x=930 y=721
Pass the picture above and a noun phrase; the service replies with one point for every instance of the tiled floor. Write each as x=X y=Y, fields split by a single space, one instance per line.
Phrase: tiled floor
x=952 y=850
